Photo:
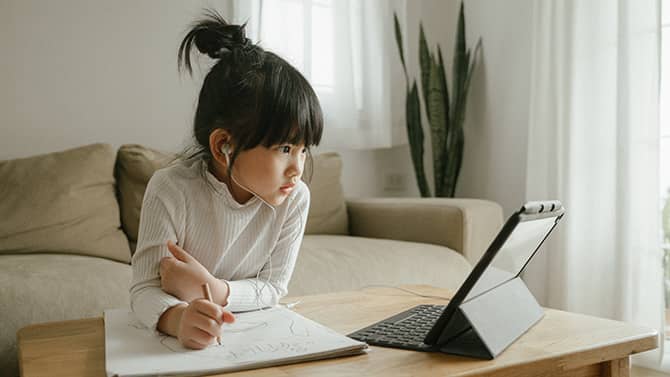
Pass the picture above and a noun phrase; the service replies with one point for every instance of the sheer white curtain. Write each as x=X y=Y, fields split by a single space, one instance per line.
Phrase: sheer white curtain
x=593 y=143
x=346 y=49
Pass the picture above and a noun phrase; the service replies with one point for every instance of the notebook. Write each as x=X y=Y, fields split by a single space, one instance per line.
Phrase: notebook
x=257 y=339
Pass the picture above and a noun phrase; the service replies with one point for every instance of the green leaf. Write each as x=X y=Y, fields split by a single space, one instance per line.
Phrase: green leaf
x=438 y=122
x=398 y=39
x=447 y=126
x=424 y=64
x=455 y=160
x=460 y=81
x=415 y=136
x=459 y=57
x=443 y=78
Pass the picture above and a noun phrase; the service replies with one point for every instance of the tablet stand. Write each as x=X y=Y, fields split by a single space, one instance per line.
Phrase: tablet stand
x=484 y=326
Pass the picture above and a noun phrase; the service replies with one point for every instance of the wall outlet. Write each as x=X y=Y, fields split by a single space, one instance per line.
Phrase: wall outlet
x=395 y=182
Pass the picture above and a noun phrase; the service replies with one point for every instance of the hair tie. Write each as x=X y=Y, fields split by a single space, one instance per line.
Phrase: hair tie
x=240 y=36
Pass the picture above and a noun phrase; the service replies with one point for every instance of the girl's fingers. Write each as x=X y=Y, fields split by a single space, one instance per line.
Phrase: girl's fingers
x=192 y=344
x=206 y=324
x=228 y=317
x=178 y=252
x=208 y=309
x=201 y=338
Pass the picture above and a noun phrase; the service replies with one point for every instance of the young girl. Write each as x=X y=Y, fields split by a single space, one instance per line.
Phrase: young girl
x=236 y=207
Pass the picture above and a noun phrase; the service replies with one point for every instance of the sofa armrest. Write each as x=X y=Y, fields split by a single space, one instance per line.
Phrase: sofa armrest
x=464 y=225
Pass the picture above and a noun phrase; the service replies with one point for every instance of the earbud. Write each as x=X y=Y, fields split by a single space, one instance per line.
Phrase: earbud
x=225 y=150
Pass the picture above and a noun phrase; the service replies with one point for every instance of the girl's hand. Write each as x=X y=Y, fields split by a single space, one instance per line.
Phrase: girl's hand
x=201 y=323
x=182 y=275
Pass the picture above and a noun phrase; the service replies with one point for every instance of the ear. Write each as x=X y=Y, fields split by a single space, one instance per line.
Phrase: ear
x=217 y=139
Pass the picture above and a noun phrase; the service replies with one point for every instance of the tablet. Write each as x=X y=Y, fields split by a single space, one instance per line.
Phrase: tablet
x=505 y=259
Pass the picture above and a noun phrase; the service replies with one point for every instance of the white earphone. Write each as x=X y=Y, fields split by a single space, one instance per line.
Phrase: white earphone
x=225 y=149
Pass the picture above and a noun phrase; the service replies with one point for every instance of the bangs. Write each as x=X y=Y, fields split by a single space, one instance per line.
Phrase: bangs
x=289 y=110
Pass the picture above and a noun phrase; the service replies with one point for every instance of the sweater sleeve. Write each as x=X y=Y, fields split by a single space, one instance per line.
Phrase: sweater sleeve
x=272 y=282
x=159 y=222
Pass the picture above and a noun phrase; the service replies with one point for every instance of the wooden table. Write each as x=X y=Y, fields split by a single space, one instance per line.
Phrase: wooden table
x=561 y=344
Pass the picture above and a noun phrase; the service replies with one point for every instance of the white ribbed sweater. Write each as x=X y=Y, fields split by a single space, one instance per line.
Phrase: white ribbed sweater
x=187 y=204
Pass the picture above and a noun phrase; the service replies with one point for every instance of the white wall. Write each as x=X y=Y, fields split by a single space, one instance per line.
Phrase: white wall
x=496 y=128
x=75 y=72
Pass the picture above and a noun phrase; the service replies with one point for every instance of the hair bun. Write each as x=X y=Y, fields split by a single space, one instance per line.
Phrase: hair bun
x=214 y=36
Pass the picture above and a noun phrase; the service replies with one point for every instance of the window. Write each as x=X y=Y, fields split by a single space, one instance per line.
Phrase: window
x=346 y=50
x=307 y=37
x=664 y=152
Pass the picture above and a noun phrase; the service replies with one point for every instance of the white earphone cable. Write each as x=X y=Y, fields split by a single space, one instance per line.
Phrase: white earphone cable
x=259 y=291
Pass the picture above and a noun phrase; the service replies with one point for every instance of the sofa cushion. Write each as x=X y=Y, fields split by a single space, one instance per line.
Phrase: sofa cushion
x=330 y=263
x=135 y=164
x=328 y=210
x=62 y=201
x=51 y=287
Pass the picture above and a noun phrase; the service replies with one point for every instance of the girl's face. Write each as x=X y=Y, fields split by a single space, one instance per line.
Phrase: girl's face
x=269 y=172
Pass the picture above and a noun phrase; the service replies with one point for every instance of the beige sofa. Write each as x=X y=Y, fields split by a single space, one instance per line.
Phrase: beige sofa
x=69 y=220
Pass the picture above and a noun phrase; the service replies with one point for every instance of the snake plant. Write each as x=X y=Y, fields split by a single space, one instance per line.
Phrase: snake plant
x=445 y=115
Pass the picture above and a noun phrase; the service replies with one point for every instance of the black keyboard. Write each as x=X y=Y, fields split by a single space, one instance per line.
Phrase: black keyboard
x=405 y=330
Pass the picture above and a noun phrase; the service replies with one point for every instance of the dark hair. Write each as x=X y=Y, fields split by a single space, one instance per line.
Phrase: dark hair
x=255 y=95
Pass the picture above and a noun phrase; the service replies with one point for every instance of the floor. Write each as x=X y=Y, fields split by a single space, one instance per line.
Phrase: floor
x=642 y=372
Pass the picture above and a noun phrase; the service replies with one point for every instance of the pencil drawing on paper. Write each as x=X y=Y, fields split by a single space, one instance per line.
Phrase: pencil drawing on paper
x=298 y=330
x=290 y=336
x=267 y=337
x=238 y=354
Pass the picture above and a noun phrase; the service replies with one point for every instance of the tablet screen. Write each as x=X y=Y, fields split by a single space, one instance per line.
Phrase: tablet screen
x=511 y=258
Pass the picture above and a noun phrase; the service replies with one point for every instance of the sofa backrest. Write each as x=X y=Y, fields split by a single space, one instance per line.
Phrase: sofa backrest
x=66 y=202
x=136 y=164
x=62 y=202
